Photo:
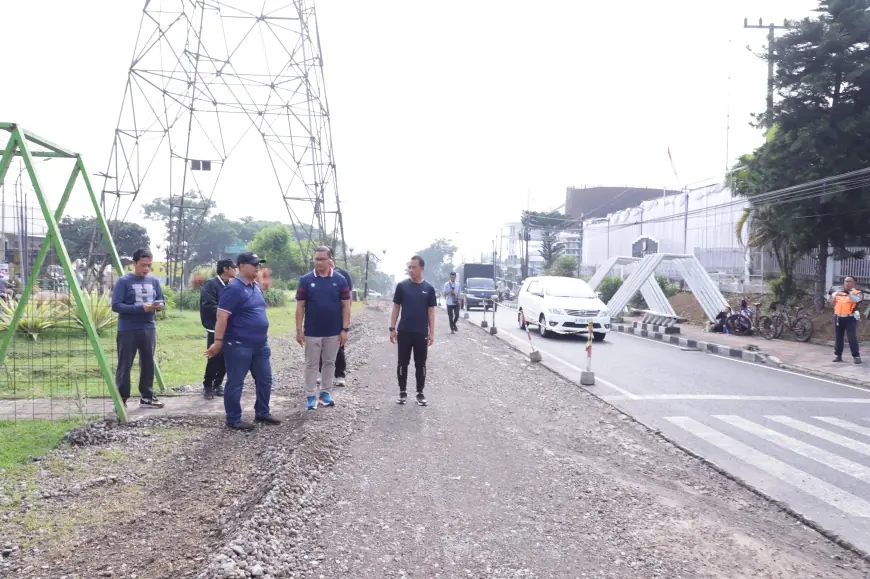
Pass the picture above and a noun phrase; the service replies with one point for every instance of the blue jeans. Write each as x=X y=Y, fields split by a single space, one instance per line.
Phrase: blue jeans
x=240 y=359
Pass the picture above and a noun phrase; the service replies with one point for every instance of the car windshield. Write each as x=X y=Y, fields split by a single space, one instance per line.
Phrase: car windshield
x=569 y=289
x=480 y=283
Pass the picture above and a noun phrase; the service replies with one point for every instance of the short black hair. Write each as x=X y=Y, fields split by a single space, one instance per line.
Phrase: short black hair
x=420 y=261
x=323 y=248
x=140 y=253
x=452 y=273
x=225 y=264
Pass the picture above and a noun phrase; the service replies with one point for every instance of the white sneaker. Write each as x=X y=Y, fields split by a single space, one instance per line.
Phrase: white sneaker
x=318 y=380
x=339 y=382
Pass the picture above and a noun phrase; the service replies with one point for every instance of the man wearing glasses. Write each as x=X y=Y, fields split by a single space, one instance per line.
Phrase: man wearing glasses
x=322 y=324
x=241 y=332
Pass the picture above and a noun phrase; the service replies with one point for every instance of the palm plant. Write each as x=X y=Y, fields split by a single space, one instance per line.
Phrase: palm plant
x=38 y=316
x=100 y=309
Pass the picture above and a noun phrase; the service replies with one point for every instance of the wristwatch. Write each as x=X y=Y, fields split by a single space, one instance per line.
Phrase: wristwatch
x=345 y=329
x=392 y=329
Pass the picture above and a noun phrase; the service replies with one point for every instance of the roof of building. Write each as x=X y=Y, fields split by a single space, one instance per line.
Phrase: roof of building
x=592 y=202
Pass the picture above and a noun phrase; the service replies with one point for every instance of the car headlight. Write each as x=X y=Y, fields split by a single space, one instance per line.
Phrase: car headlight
x=604 y=313
x=493 y=296
x=557 y=311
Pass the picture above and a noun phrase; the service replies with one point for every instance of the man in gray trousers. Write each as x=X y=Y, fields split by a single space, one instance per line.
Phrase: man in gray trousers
x=135 y=298
x=322 y=323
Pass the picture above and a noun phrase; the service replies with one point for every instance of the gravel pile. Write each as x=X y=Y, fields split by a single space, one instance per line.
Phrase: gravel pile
x=264 y=539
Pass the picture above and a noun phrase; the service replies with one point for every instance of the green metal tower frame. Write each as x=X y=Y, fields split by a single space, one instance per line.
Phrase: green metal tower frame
x=19 y=146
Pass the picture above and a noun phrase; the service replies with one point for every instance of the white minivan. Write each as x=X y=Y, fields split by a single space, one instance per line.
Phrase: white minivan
x=562 y=305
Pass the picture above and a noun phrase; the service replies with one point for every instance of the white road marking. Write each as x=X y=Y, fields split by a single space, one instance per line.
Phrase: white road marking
x=844 y=424
x=628 y=395
x=843 y=441
x=741 y=361
x=824 y=457
x=805 y=482
x=737 y=398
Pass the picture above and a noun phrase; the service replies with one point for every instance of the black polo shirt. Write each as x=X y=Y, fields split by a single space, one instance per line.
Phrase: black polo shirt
x=415 y=300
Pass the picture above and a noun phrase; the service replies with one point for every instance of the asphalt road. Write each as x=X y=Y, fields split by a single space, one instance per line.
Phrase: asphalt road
x=801 y=440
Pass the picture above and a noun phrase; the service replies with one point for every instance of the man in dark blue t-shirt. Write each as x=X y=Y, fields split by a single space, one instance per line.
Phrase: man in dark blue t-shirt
x=322 y=324
x=415 y=299
x=241 y=332
x=135 y=298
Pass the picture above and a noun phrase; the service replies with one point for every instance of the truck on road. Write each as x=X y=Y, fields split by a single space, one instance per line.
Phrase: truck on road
x=477 y=281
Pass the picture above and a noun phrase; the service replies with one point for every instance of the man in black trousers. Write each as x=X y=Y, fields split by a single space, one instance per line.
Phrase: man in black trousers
x=414 y=299
x=215 y=368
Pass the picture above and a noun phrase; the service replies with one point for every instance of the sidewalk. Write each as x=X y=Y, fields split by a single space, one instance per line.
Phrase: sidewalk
x=786 y=353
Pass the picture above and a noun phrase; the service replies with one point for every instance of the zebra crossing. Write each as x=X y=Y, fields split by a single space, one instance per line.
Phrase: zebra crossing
x=779 y=446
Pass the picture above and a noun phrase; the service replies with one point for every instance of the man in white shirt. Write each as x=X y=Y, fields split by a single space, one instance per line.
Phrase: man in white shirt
x=451 y=296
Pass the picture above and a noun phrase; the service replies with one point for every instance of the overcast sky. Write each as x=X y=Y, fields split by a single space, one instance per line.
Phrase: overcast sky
x=445 y=115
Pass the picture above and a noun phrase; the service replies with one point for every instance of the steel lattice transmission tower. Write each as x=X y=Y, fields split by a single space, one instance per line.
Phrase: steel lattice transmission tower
x=210 y=82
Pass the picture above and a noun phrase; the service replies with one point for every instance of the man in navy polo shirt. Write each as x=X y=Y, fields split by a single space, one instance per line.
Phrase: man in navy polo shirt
x=414 y=299
x=241 y=332
x=322 y=323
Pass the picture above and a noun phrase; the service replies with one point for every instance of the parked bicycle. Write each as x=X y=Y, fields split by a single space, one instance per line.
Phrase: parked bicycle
x=748 y=321
x=784 y=319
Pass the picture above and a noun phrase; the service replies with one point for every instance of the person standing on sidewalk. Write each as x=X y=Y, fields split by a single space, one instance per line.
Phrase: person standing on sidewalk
x=451 y=294
x=322 y=324
x=415 y=299
x=135 y=298
x=242 y=334
x=846 y=318
x=340 y=358
x=209 y=297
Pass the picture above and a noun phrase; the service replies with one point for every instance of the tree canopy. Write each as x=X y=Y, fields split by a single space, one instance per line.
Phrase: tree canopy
x=819 y=129
x=77 y=233
x=439 y=260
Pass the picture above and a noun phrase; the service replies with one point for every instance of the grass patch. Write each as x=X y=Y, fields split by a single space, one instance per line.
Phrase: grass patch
x=62 y=363
x=24 y=438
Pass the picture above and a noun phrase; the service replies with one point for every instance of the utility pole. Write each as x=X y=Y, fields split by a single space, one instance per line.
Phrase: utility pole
x=771 y=32
x=369 y=256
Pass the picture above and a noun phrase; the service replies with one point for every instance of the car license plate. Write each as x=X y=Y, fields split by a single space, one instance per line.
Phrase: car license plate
x=582 y=321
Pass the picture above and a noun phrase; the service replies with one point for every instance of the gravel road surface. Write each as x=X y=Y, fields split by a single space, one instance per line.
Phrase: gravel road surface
x=514 y=472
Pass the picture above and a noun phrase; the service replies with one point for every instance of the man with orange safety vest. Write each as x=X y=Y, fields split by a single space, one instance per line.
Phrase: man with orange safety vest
x=846 y=315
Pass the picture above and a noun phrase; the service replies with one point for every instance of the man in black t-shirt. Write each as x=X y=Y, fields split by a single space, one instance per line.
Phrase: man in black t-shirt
x=415 y=299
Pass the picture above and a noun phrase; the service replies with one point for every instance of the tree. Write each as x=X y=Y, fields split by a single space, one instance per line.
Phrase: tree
x=819 y=130
x=551 y=248
x=564 y=266
x=439 y=260
x=283 y=253
x=77 y=233
x=550 y=223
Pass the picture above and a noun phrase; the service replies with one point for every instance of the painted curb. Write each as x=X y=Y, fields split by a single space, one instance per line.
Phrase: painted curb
x=701 y=345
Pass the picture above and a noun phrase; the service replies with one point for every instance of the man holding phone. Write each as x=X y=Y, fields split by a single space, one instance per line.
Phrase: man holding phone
x=136 y=298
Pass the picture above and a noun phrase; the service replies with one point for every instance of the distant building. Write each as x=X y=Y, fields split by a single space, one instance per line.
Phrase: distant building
x=597 y=202
x=592 y=202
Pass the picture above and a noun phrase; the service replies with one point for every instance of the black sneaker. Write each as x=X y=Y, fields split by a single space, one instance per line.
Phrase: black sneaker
x=403 y=398
x=857 y=359
x=243 y=426
x=150 y=403
x=208 y=393
x=838 y=359
x=268 y=419
x=421 y=400
x=219 y=391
